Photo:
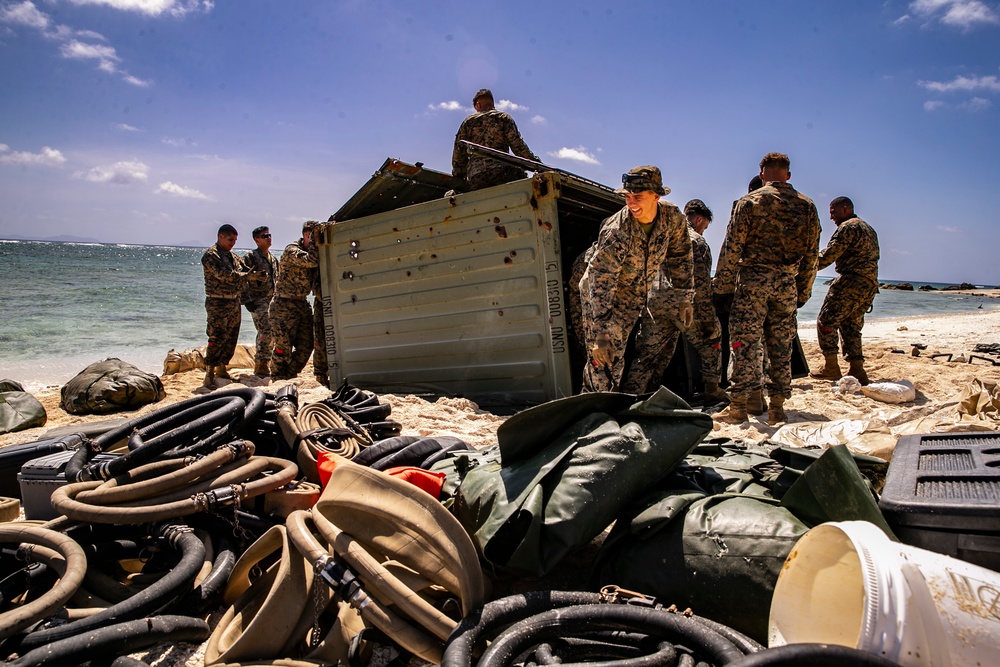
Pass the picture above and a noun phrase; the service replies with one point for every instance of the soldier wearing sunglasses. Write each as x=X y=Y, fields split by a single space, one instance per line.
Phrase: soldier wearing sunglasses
x=256 y=296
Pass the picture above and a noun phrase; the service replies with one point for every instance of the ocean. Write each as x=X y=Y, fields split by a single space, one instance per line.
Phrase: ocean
x=67 y=305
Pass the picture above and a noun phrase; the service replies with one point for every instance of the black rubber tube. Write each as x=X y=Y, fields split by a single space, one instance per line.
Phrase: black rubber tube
x=208 y=592
x=814 y=655
x=570 y=621
x=115 y=640
x=601 y=654
x=143 y=603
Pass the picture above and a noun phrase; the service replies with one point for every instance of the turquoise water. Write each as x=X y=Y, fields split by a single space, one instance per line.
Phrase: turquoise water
x=66 y=305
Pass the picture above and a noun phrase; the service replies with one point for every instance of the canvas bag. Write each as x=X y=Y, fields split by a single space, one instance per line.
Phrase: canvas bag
x=109 y=386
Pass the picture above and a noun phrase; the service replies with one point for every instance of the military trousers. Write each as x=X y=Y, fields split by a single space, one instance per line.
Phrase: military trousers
x=655 y=340
x=292 y=327
x=843 y=311
x=224 y=317
x=762 y=314
x=260 y=311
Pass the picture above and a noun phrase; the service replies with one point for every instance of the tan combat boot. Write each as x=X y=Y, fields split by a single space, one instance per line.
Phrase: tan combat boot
x=755 y=402
x=858 y=371
x=776 y=411
x=260 y=370
x=221 y=372
x=831 y=371
x=209 y=377
x=736 y=413
x=713 y=393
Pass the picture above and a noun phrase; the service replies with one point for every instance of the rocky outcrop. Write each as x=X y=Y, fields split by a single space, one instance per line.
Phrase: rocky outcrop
x=955 y=288
x=927 y=288
x=906 y=287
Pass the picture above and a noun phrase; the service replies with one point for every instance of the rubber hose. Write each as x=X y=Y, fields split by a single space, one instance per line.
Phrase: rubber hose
x=587 y=618
x=148 y=601
x=814 y=655
x=15 y=620
x=118 y=639
x=208 y=592
x=603 y=654
x=184 y=427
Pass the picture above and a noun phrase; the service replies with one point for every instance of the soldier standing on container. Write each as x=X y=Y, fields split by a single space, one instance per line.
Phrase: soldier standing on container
x=854 y=247
x=706 y=334
x=257 y=295
x=768 y=262
x=494 y=129
x=638 y=281
x=291 y=316
x=225 y=276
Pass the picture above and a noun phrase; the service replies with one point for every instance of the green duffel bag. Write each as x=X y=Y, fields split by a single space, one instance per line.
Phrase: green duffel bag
x=567 y=468
x=110 y=386
x=19 y=410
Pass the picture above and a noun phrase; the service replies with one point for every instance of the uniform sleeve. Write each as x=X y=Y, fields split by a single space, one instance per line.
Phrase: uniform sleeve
x=517 y=144
x=459 y=155
x=839 y=242
x=808 y=265
x=732 y=248
x=300 y=257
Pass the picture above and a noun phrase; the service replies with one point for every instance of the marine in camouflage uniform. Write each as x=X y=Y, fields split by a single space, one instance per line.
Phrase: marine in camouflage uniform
x=256 y=296
x=854 y=248
x=225 y=277
x=706 y=334
x=290 y=313
x=494 y=129
x=768 y=261
x=638 y=280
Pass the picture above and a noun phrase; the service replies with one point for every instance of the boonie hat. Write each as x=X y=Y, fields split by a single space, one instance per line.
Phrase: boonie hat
x=639 y=179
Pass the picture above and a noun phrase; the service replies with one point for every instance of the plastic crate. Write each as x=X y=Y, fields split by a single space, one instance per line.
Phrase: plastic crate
x=942 y=493
x=40 y=477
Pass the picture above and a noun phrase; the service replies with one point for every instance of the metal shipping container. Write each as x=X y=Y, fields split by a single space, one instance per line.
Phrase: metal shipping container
x=457 y=295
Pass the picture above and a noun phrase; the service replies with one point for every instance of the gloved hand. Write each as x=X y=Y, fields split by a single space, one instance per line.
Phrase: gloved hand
x=685 y=313
x=601 y=350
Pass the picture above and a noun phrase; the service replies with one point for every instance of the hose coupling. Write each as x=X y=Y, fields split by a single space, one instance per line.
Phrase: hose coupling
x=616 y=595
x=340 y=579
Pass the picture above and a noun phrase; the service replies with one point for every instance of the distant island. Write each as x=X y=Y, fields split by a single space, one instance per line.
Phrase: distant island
x=66 y=238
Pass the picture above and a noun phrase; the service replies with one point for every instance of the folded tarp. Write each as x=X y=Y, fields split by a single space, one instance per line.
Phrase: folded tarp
x=109 y=386
x=19 y=410
x=566 y=469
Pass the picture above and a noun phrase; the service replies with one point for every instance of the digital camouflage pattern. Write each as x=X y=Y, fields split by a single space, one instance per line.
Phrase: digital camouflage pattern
x=706 y=334
x=225 y=277
x=494 y=129
x=854 y=248
x=768 y=262
x=290 y=313
x=256 y=296
x=634 y=281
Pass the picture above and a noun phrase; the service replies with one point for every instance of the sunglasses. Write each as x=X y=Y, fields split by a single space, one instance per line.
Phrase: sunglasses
x=634 y=178
x=265 y=236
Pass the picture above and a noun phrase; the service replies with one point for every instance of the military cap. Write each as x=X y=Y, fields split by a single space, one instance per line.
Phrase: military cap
x=483 y=92
x=640 y=179
x=698 y=207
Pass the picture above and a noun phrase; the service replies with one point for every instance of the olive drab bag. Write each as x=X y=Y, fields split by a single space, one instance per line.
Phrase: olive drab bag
x=19 y=410
x=566 y=469
x=109 y=386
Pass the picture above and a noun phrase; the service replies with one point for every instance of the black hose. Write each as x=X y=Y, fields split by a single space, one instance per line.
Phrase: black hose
x=143 y=603
x=114 y=640
x=814 y=655
x=603 y=654
x=658 y=623
x=210 y=589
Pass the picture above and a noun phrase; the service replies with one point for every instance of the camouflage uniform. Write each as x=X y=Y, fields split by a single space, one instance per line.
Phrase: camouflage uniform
x=768 y=261
x=494 y=129
x=634 y=281
x=225 y=276
x=256 y=296
x=854 y=247
x=706 y=334
x=290 y=313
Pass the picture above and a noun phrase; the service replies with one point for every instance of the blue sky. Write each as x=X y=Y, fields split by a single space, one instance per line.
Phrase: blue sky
x=155 y=121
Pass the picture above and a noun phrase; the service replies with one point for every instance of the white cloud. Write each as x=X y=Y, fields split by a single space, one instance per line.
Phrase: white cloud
x=135 y=81
x=81 y=51
x=975 y=104
x=949 y=229
x=450 y=105
x=507 y=105
x=48 y=157
x=934 y=105
x=125 y=127
x=154 y=7
x=579 y=154
x=177 y=143
x=964 y=84
x=170 y=188
x=4 y=148
x=539 y=120
x=963 y=14
x=119 y=173
x=25 y=14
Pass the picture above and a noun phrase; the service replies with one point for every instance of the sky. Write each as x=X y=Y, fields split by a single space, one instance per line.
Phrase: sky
x=156 y=121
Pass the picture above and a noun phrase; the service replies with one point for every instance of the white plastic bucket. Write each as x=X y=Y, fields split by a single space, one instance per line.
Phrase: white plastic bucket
x=847 y=583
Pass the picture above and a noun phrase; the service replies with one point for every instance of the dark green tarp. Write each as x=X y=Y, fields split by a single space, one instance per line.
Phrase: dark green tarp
x=19 y=410
x=110 y=386
x=566 y=469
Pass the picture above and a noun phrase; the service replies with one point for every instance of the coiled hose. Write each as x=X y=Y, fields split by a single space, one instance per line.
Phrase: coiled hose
x=155 y=597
